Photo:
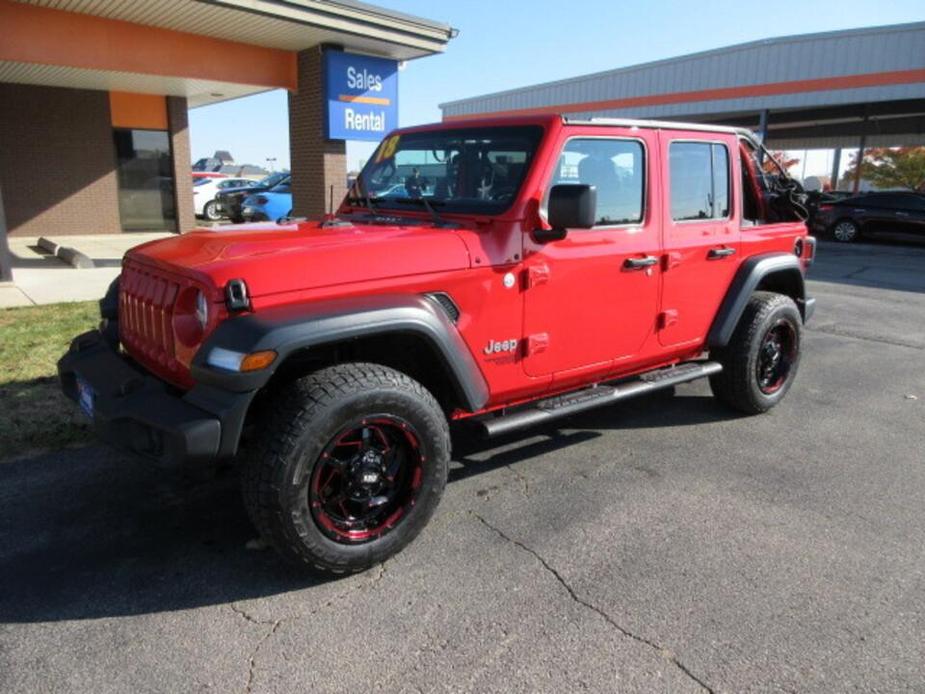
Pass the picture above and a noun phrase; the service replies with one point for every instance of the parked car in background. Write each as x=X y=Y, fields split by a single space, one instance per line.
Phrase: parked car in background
x=231 y=200
x=893 y=213
x=205 y=191
x=198 y=175
x=268 y=206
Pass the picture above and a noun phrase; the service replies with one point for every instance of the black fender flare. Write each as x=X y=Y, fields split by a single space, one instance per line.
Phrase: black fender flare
x=748 y=278
x=287 y=329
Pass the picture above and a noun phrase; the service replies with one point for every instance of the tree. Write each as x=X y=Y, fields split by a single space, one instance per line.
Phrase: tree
x=781 y=158
x=890 y=167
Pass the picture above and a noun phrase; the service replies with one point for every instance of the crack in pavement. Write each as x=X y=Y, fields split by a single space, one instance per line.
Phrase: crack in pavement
x=252 y=662
x=275 y=624
x=663 y=652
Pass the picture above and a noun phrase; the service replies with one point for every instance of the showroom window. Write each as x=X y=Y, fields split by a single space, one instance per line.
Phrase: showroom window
x=144 y=169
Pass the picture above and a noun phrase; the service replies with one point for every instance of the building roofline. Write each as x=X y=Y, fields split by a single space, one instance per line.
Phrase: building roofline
x=311 y=12
x=392 y=14
x=734 y=48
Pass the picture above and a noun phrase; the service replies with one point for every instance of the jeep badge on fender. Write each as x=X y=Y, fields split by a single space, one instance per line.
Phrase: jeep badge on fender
x=495 y=347
x=361 y=338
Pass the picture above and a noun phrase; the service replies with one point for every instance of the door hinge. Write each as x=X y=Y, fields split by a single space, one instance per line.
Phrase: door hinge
x=536 y=275
x=667 y=318
x=537 y=343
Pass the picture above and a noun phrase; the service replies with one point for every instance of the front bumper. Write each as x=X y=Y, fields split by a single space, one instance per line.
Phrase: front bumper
x=137 y=412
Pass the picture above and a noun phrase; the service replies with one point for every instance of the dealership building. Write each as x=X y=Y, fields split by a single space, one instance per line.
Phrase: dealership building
x=94 y=99
x=841 y=89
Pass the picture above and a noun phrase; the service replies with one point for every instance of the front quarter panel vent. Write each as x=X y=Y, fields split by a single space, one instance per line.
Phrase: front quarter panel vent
x=445 y=302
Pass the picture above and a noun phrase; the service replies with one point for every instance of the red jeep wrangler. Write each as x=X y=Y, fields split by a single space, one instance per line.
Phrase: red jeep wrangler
x=506 y=272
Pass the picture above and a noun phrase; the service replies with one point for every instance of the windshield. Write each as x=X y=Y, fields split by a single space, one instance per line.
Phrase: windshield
x=466 y=170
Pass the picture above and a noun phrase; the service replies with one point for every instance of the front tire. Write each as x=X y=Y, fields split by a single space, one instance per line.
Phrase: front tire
x=846 y=231
x=348 y=466
x=761 y=360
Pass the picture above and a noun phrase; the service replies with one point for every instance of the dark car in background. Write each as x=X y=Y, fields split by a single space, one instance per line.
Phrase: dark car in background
x=894 y=213
x=231 y=201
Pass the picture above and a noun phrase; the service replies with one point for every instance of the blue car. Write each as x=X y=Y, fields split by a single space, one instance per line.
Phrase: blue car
x=268 y=206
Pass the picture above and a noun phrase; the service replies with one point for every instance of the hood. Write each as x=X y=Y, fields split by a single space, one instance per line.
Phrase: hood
x=275 y=258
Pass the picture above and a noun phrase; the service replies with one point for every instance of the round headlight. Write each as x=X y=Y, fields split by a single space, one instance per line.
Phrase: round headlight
x=202 y=309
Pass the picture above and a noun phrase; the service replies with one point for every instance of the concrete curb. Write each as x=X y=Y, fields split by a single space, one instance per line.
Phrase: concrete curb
x=69 y=255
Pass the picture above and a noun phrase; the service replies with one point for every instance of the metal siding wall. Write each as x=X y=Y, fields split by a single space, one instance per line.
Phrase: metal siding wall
x=781 y=60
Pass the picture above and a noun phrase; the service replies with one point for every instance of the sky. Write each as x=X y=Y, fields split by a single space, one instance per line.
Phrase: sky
x=504 y=44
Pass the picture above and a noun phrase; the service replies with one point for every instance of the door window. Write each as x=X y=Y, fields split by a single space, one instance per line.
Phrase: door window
x=616 y=168
x=699 y=181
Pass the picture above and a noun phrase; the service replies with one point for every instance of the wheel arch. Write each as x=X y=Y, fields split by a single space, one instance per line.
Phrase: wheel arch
x=774 y=272
x=405 y=330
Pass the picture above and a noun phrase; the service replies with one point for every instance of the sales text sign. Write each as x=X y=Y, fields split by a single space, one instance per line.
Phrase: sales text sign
x=362 y=95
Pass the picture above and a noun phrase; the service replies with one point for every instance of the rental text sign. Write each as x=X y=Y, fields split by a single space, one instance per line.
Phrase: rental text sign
x=362 y=94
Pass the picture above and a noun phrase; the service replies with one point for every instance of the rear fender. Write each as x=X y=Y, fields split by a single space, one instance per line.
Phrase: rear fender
x=778 y=272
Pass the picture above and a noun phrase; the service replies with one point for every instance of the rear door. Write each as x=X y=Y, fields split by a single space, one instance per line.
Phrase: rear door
x=700 y=231
x=591 y=298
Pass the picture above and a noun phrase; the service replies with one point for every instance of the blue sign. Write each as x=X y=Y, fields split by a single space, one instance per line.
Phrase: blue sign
x=362 y=94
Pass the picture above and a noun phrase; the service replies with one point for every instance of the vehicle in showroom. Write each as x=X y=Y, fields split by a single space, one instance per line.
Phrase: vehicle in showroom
x=205 y=191
x=547 y=266
x=890 y=213
x=230 y=201
x=271 y=205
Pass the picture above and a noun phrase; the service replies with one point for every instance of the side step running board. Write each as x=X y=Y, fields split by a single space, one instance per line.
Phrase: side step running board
x=588 y=398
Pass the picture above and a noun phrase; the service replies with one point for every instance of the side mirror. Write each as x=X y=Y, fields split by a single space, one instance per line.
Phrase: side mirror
x=571 y=206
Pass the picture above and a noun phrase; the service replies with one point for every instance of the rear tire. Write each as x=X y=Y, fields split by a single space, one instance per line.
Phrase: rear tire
x=210 y=211
x=761 y=360
x=349 y=464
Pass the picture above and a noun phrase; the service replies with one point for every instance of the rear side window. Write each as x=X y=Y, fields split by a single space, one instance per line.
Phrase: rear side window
x=615 y=167
x=699 y=180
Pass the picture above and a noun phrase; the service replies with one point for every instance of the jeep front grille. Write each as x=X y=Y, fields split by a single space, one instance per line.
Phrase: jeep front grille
x=146 y=302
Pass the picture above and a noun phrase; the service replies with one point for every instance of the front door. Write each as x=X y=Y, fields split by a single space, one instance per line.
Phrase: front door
x=700 y=232
x=591 y=298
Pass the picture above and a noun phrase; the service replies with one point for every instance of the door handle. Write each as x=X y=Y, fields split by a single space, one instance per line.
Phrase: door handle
x=716 y=253
x=639 y=263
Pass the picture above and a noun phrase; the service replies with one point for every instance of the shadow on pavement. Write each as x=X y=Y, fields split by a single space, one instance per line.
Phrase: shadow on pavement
x=87 y=533
x=896 y=266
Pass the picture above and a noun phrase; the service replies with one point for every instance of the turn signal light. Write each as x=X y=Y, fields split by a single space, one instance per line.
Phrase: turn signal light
x=257 y=360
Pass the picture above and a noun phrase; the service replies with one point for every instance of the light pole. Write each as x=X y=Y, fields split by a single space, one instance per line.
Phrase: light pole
x=271 y=164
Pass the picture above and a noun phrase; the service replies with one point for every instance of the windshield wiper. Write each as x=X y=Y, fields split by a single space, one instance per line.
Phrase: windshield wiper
x=428 y=205
x=364 y=197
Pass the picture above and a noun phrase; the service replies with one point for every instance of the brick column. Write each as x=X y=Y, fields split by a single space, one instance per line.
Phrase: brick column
x=178 y=123
x=317 y=163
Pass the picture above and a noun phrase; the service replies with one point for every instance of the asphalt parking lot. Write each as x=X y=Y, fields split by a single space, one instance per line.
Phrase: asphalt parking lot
x=659 y=545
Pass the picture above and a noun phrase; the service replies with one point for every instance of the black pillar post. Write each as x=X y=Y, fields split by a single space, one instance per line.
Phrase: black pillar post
x=762 y=132
x=6 y=259
x=836 y=165
x=861 y=147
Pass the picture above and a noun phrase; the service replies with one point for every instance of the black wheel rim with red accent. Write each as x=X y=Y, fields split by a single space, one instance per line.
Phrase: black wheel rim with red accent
x=776 y=355
x=367 y=479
